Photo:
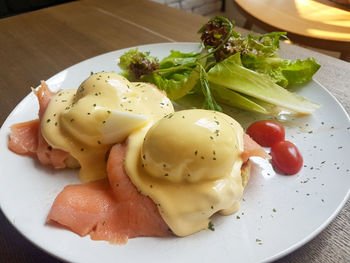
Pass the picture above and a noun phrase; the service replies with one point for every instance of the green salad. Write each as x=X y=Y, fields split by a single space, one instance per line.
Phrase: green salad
x=240 y=71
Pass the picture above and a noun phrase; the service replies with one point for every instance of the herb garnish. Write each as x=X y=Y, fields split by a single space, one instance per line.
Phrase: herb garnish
x=211 y=226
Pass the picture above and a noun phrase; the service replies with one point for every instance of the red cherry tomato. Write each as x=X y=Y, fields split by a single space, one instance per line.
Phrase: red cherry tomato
x=286 y=157
x=266 y=133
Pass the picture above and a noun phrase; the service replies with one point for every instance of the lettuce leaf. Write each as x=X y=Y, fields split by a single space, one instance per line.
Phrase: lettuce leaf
x=300 y=71
x=282 y=71
x=177 y=58
x=230 y=73
x=234 y=99
x=177 y=75
x=176 y=85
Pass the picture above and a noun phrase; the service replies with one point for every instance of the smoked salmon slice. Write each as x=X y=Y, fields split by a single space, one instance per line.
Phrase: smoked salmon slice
x=147 y=221
x=252 y=148
x=111 y=210
x=49 y=156
x=26 y=138
x=44 y=95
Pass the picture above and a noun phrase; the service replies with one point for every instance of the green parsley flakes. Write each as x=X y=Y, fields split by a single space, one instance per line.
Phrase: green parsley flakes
x=211 y=226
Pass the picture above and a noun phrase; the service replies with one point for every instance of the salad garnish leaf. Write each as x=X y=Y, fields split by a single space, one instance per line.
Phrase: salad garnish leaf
x=283 y=72
x=176 y=85
x=177 y=58
x=300 y=71
x=218 y=36
x=235 y=99
x=240 y=71
x=230 y=73
x=136 y=64
x=209 y=103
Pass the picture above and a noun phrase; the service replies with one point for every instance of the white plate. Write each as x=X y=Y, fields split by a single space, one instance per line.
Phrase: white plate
x=278 y=213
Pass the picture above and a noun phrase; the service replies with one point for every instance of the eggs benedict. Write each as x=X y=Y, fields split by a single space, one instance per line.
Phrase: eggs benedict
x=104 y=110
x=189 y=163
x=170 y=170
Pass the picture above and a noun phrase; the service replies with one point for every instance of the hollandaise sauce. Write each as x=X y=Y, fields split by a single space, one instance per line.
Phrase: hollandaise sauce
x=104 y=110
x=189 y=163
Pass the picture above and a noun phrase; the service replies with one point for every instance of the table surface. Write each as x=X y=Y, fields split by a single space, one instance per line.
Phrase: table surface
x=39 y=44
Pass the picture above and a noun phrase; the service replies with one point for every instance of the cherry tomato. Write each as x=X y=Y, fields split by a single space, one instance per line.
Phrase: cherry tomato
x=286 y=157
x=266 y=133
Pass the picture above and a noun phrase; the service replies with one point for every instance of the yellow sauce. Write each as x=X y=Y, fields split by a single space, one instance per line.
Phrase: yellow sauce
x=189 y=164
x=103 y=111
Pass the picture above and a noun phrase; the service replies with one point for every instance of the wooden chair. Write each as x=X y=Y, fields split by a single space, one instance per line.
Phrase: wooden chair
x=317 y=23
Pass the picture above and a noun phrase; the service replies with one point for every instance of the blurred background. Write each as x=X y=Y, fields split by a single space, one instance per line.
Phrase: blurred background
x=202 y=7
x=14 y=7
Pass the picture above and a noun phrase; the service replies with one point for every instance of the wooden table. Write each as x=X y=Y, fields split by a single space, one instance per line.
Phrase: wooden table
x=318 y=23
x=37 y=45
